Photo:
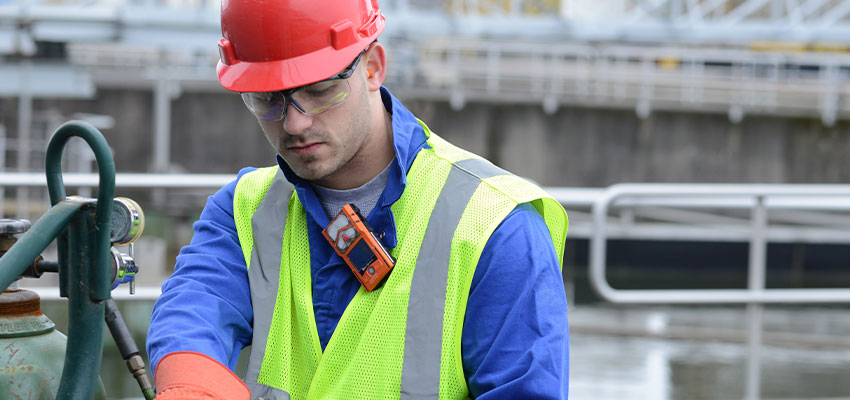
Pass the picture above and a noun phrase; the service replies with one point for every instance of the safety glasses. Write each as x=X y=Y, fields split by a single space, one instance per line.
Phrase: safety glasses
x=312 y=99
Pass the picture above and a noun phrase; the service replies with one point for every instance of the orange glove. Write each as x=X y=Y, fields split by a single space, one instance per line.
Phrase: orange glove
x=187 y=375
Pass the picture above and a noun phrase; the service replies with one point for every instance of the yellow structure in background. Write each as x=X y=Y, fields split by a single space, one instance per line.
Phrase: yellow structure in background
x=497 y=7
x=797 y=47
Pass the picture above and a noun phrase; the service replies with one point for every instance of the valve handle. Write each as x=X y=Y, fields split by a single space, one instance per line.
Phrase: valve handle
x=124 y=269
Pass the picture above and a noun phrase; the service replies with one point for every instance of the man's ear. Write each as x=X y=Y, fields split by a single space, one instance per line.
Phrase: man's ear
x=376 y=66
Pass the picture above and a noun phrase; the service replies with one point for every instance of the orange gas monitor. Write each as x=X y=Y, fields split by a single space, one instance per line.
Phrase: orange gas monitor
x=354 y=241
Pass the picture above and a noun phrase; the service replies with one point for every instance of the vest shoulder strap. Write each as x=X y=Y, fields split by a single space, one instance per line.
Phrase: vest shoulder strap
x=517 y=189
x=250 y=192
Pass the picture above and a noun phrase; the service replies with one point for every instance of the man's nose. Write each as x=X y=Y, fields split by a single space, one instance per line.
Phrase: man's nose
x=295 y=122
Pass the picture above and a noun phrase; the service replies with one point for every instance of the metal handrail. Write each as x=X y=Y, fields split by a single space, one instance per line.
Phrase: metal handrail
x=124 y=180
x=818 y=224
x=758 y=241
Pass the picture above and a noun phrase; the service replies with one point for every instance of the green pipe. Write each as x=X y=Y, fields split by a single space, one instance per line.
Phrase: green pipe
x=83 y=262
x=85 y=317
x=35 y=240
x=100 y=286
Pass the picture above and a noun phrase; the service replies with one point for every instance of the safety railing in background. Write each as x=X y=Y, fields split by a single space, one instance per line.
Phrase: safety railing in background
x=826 y=219
x=123 y=180
x=635 y=196
x=735 y=82
x=27 y=180
x=806 y=217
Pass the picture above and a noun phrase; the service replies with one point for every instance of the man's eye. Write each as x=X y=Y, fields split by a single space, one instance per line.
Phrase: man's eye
x=269 y=98
x=320 y=89
x=318 y=92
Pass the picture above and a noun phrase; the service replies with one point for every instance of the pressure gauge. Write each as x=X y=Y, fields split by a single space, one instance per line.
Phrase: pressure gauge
x=128 y=221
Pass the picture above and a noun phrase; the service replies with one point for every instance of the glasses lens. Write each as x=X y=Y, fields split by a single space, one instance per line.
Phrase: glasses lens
x=311 y=100
x=322 y=96
x=267 y=106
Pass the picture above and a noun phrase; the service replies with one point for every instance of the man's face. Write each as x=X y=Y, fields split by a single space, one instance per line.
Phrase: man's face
x=319 y=147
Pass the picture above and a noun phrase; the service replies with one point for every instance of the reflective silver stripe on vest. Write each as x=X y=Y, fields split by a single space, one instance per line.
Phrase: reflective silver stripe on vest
x=423 y=337
x=267 y=226
x=481 y=168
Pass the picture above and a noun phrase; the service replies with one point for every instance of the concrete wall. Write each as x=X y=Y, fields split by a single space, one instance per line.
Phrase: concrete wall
x=213 y=133
x=587 y=147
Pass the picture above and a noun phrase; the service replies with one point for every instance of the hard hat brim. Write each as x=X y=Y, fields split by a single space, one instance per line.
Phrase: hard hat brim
x=268 y=76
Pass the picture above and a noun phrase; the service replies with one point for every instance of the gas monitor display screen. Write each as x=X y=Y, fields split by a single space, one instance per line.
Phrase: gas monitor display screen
x=361 y=256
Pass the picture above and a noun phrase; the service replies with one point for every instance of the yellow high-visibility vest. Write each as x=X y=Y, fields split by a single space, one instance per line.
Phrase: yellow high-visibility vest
x=403 y=339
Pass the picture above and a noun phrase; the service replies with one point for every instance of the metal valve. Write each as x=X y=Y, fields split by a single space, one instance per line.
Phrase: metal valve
x=124 y=269
x=128 y=221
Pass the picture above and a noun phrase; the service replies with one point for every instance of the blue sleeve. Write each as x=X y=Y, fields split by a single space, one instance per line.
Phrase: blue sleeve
x=205 y=304
x=515 y=341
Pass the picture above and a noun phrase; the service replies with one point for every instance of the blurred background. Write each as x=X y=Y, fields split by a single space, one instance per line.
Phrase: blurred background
x=730 y=120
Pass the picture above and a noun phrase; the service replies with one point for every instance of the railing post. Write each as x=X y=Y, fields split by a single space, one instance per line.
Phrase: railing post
x=756 y=283
x=24 y=149
x=162 y=94
x=2 y=169
x=758 y=246
x=457 y=100
x=493 y=58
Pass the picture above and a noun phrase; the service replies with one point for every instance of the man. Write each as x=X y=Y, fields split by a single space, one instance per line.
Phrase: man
x=475 y=304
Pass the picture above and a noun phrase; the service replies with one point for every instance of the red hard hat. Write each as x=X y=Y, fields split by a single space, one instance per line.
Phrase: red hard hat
x=271 y=45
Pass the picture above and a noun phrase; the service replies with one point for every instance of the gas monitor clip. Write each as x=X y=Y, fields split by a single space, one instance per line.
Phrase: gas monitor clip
x=354 y=241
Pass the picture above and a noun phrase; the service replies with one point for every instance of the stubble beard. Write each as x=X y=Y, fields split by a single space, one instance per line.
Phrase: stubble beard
x=340 y=152
x=307 y=166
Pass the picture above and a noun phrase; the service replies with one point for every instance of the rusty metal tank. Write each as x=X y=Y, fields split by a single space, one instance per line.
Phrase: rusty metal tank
x=32 y=351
